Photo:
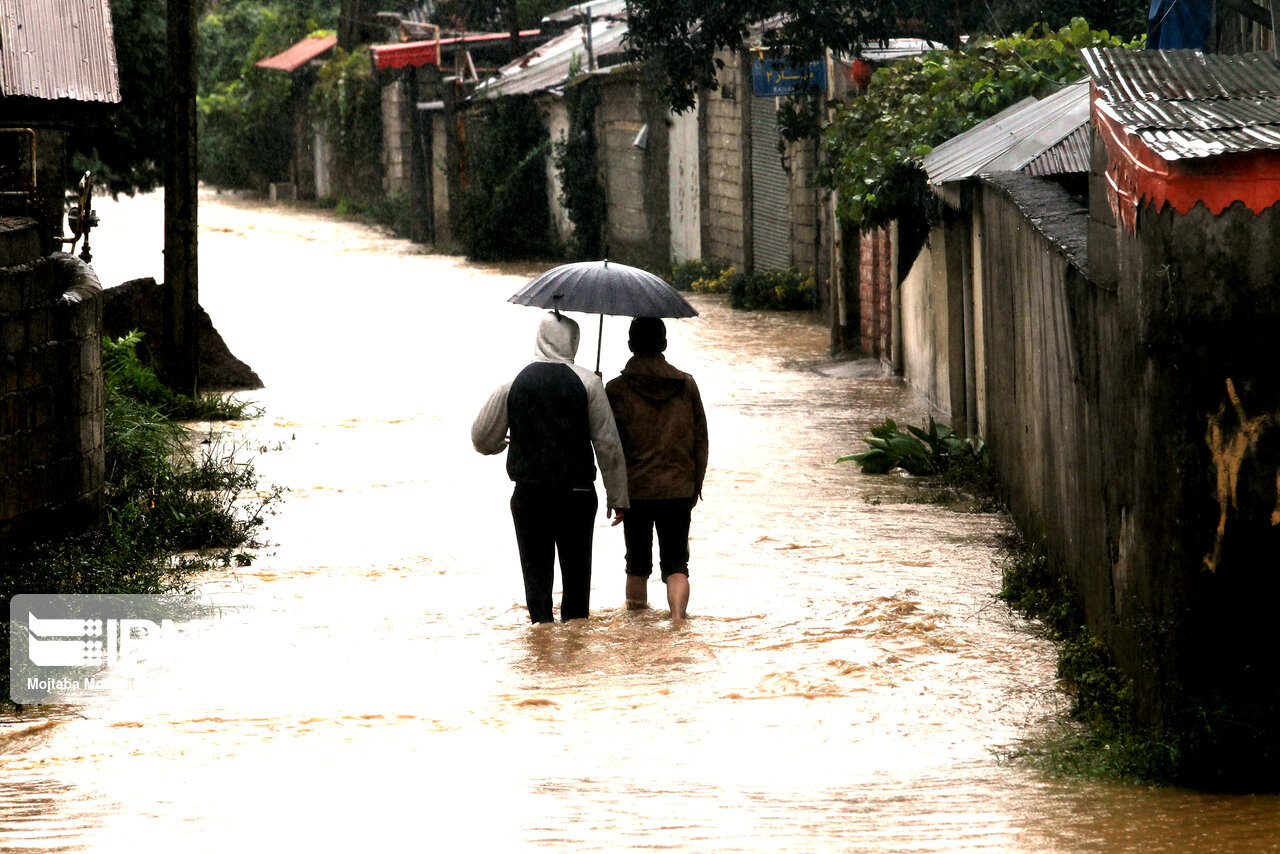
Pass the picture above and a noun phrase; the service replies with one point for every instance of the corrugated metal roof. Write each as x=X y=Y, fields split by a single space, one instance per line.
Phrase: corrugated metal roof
x=547 y=68
x=298 y=54
x=615 y=9
x=58 y=49
x=1187 y=104
x=895 y=49
x=1180 y=75
x=1070 y=155
x=1045 y=133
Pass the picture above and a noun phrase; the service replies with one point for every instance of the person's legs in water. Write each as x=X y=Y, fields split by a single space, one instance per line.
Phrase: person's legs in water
x=672 y=524
x=531 y=512
x=637 y=532
x=573 y=536
x=678 y=595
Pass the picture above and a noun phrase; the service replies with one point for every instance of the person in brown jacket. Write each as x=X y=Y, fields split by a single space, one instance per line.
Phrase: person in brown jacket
x=663 y=429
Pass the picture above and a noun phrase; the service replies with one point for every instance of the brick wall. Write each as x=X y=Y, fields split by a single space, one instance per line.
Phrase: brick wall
x=874 y=274
x=51 y=394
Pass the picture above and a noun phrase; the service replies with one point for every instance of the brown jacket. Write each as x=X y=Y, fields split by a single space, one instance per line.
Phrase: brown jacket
x=663 y=429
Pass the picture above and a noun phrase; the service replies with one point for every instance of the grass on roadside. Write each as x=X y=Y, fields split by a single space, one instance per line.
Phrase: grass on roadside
x=176 y=502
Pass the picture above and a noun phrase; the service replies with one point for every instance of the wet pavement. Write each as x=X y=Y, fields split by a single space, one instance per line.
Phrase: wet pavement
x=845 y=683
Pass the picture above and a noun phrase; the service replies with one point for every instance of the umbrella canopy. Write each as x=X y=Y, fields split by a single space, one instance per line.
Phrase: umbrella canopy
x=604 y=287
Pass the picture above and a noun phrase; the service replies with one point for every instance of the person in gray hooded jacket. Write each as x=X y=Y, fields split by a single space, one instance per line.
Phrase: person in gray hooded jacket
x=550 y=419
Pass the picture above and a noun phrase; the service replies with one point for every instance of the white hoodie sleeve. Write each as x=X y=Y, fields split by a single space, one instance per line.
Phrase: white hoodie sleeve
x=605 y=441
x=489 y=432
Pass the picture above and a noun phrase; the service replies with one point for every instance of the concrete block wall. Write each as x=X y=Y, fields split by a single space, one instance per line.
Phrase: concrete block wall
x=725 y=216
x=397 y=137
x=636 y=187
x=51 y=390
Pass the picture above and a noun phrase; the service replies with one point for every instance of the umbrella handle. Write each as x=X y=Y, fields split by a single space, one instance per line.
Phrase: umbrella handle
x=599 y=344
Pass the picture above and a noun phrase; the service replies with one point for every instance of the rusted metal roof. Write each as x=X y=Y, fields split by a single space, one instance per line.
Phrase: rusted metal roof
x=546 y=68
x=299 y=54
x=58 y=50
x=1186 y=104
x=1043 y=137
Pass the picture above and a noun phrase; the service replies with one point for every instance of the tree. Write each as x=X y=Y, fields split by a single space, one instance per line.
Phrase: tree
x=129 y=158
x=683 y=36
x=876 y=142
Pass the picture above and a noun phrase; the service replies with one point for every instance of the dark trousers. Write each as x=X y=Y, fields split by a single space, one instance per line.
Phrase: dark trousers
x=670 y=517
x=550 y=520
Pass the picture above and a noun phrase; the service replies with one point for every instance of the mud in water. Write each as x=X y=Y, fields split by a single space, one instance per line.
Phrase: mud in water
x=844 y=684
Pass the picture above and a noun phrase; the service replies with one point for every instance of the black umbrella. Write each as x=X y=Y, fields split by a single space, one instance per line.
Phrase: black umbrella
x=603 y=287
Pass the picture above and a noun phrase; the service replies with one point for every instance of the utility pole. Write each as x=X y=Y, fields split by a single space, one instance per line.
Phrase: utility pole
x=182 y=344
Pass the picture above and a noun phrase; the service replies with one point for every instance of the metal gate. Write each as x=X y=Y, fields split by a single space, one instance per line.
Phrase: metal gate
x=770 y=227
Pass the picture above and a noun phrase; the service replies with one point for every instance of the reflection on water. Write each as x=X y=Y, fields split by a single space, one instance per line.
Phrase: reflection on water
x=841 y=685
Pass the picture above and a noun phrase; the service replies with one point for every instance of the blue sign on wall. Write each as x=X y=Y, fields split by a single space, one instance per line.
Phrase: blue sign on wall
x=772 y=78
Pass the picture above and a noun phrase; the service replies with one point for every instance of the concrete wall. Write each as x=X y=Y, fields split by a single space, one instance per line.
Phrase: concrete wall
x=1132 y=408
x=934 y=338
x=397 y=137
x=51 y=394
x=555 y=114
x=636 y=189
x=725 y=202
x=443 y=175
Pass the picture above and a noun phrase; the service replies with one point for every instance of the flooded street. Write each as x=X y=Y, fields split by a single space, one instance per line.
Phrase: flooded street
x=844 y=683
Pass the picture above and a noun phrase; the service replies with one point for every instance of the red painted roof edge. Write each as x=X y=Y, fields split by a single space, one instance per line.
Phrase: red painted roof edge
x=299 y=54
x=1136 y=174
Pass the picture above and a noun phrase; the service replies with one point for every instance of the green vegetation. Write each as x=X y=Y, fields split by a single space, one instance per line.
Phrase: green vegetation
x=775 y=290
x=392 y=212
x=505 y=210
x=575 y=158
x=919 y=451
x=1107 y=742
x=700 y=275
x=347 y=103
x=876 y=142
x=176 y=502
x=129 y=378
x=245 y=112
x=954 y=470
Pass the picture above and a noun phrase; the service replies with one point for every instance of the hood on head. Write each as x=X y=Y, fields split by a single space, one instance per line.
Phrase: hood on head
x=653 y=377
x=557 y=339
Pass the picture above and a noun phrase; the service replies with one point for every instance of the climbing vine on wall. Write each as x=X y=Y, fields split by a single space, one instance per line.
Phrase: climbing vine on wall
x=505 y=210
x=347 y=102
x=575 y=159
x=876 y=143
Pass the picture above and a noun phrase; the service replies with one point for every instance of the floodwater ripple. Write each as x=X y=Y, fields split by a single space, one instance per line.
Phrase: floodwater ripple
x=844 y=683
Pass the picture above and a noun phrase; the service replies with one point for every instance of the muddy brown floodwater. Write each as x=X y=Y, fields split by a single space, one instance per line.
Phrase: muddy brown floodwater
x=844 y=684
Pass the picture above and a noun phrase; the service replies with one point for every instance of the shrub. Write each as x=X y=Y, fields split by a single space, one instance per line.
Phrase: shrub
x=779 y=290
x=686 y=275
x=505 y=211
x=917 y=451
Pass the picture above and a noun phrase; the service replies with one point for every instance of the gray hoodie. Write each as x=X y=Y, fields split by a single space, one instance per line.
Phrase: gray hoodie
x=544 y=379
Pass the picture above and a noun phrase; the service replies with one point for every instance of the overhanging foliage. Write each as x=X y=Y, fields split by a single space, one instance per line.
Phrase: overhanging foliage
x=876 y=143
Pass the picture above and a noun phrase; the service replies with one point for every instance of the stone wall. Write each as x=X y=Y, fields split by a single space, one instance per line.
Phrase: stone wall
x=51 y=393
